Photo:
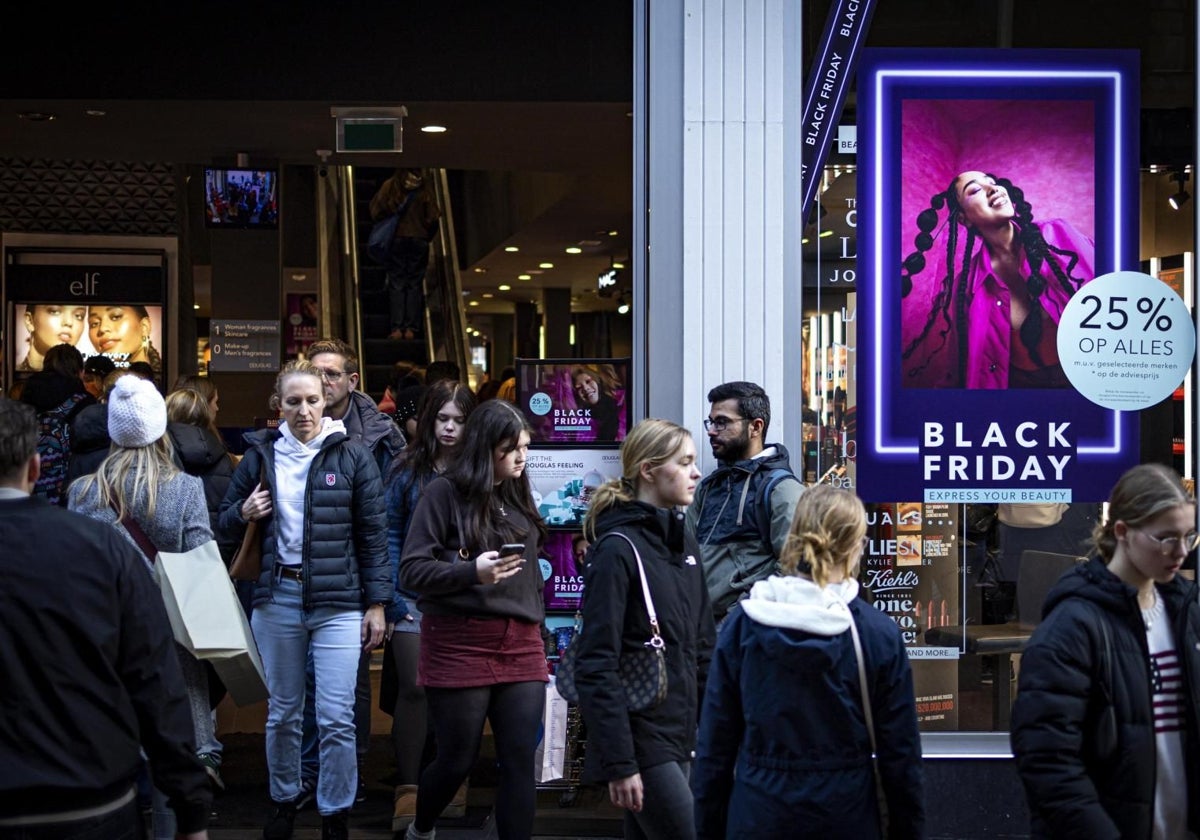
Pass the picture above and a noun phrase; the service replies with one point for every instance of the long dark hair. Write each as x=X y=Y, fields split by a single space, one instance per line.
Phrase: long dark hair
x=953 y=291
x=495 y=423
x=418 y=461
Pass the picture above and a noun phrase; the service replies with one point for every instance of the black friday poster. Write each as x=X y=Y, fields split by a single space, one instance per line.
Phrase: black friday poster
x=563 y=586
x=563 y=480
x=575 y=401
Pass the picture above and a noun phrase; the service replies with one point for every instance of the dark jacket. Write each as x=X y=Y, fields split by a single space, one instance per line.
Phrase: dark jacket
x=90 y=671
x=1072 y=790
x=345 y=562
x=367 y=425
x=202 y=454
x=620 y=742
x=90 y=442
x=445 y=585
x=784 y=749
x=727 y=515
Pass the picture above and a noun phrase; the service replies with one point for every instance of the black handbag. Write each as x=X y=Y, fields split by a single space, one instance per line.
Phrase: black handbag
x=642 y=673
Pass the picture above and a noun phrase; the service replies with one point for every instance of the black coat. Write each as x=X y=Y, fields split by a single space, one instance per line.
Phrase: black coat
x=620 y=742
x=1074 y=792
x=202 y=454
x=90 y=442
x=345 y=560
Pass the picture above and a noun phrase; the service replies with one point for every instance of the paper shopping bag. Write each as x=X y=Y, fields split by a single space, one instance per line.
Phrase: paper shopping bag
x=552 y=750
x=208 y=620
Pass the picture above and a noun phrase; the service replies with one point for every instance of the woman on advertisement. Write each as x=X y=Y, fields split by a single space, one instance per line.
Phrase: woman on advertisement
x=123 y=334
x=49 y=325
x=999 y=308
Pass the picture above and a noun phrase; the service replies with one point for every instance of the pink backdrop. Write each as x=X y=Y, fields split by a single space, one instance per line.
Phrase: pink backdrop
x=1047 y=148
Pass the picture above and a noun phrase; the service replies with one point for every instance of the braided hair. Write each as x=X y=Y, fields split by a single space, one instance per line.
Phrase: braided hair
x=953 y=291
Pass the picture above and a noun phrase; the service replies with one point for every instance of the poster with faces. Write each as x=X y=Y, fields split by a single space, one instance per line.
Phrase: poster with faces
x=123 y=333
x=563 y=481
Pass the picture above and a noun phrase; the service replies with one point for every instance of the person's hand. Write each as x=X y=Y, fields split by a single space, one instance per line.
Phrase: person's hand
x=492 y=568
x=627 y=792
x=373 y=626
x=257 y=504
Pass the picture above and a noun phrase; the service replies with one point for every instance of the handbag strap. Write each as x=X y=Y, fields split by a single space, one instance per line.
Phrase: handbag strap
x=862 y=681
x=656 y=639
x=139 y=536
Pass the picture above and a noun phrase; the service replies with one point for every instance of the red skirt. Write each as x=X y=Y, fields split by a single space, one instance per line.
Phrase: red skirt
x=465 y=652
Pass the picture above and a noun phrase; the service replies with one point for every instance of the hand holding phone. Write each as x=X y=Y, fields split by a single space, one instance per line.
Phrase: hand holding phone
x=512 y=548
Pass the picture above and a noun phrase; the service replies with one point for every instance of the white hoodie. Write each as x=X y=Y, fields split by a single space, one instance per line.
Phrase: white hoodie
x=799 y=604
x=292 y=462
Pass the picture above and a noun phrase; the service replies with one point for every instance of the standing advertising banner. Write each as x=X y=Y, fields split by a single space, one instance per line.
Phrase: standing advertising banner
x=993 y=187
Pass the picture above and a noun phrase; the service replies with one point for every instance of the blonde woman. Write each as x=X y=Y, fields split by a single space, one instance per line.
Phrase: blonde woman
x=795 y=760
x=139 y=480
x=644 y=757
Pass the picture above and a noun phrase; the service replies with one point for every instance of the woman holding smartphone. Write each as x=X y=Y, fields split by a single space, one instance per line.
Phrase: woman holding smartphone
x=470 y=555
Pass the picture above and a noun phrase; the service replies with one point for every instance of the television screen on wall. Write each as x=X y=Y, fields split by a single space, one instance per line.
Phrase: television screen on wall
x=241 y=198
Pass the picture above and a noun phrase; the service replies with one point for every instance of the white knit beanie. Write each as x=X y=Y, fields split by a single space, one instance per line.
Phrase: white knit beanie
x=137 y=414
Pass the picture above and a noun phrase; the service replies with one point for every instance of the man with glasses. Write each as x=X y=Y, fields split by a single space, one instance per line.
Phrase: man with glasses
x=742 y=511
x=367 y=425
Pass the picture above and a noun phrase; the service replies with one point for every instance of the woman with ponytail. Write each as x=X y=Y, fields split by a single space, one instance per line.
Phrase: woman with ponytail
x=794 y=760
x=645 y=756
x=1002 y=295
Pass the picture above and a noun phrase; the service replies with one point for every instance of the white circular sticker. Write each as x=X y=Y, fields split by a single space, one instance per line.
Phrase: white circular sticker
x=1126 y=340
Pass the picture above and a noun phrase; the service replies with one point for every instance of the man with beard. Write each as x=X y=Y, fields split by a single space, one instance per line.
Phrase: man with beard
x=742 y=510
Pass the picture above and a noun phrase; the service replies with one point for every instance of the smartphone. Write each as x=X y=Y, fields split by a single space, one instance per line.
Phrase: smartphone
x=512 y=548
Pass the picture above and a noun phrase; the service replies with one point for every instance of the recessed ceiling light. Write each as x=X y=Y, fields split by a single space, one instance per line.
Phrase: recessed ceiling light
x=487 y=295
x=545 y=265
x=504 y=287
x=618 y=265
x=195 y=306
x=480 y=270
x=473 y=303
x=512 y=249
x=524 y=277
x=94 y=112
x=37 y=116
x=434 y=129
x=466 y=292
x=612 y=233
x=574 y=250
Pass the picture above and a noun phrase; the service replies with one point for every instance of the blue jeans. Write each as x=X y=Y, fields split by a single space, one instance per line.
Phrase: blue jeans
x=286 y=633
x=310 y=762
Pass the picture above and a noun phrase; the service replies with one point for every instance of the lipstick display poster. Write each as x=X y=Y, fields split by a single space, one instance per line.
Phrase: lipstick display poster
x=910 y=571
x=562 y=570
x=575 y=401
x=563 y=481
x=962 y=395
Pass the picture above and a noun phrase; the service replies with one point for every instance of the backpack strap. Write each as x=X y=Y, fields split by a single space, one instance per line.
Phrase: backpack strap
x=763 y=512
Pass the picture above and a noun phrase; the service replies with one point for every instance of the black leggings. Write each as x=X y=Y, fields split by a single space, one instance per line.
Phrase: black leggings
x=412 y=739
x=457 y=716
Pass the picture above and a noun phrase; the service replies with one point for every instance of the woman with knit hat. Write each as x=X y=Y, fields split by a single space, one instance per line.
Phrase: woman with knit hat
x=139 y=481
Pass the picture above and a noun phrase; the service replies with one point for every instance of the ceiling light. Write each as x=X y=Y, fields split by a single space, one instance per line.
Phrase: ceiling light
x=487 y=295
x=623 y=304
x=618 y=265
x=825 y=233
x=480 y=270
x=94 y=112
x=195 y=306
x=545 y=265
x=524 y=277
x=473 y=303
x=612 y=233
x=512 y=249
x=574 y=250
x=1181 y=195
x=37 y=116
x=534 y=271
x=504 y=287
x=434 y=129
x=804 y=241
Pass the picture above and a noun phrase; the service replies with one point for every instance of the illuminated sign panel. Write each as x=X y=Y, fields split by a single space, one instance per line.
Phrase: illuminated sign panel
x=992 y=186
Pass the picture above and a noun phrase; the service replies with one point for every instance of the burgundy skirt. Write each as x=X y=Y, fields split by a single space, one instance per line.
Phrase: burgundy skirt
x=465 y=652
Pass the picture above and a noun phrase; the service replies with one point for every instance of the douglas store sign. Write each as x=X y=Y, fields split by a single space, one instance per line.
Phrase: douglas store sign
x=963 y=396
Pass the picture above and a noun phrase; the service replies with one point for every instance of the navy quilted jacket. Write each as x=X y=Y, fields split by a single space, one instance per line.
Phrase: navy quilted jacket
x=345 y=560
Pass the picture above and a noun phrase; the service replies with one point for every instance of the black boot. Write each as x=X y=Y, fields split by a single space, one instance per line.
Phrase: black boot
x=333 y=827
x=279 y=826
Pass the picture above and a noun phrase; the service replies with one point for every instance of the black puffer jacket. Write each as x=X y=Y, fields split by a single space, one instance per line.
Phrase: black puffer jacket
x=90 y=442
x=1072 y=791
x=345 y=560
x=202 y=454
x=620 y=742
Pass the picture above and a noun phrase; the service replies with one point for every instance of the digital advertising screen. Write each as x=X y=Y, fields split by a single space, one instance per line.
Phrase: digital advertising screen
x=121 y=332
x=575 y=401
x=993 y=187
x=241 y=198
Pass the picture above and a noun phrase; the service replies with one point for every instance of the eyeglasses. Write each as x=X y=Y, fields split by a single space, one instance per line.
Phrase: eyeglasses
x=330 y=375
x=720 y=423
x=1168 y=545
